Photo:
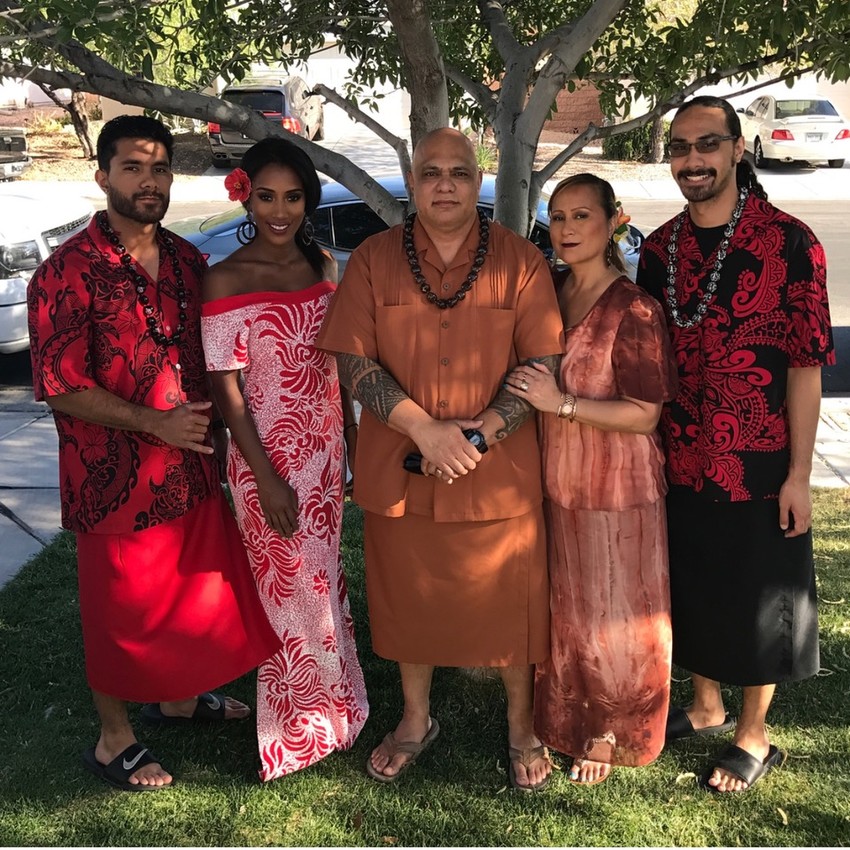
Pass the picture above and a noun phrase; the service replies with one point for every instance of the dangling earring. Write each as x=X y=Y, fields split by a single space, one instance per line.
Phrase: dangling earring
x=306 y=231
x=246 y=233
x=609 y=252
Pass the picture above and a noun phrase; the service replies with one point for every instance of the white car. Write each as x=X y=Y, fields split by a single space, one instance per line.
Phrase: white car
x=795 y=128
x=34 y=220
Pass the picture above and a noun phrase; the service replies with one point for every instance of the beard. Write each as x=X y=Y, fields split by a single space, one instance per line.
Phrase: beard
x=707 y=191
x=130 y=206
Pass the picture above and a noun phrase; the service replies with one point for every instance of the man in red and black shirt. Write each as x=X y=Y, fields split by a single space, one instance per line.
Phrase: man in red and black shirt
x=168 y=604
x=744 y=290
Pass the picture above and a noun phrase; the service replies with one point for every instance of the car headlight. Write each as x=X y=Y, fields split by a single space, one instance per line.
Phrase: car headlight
x=19 y=257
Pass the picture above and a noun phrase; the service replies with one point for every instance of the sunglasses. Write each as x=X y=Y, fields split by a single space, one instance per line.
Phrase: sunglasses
x=707 y=145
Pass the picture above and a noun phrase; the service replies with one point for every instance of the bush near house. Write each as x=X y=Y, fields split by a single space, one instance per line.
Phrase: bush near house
x=634 y=146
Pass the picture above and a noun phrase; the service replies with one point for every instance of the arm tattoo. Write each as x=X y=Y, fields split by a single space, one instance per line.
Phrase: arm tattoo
x=370 y=384
x=512 y=409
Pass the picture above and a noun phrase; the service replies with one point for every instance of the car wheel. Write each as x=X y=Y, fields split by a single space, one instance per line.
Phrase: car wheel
x=836 y=163
x=759 y=159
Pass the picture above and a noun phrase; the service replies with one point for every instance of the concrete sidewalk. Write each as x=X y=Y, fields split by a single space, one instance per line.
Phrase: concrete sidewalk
x=29 y=476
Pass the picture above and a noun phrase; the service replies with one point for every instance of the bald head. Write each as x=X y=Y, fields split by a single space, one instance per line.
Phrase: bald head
x=441 y=142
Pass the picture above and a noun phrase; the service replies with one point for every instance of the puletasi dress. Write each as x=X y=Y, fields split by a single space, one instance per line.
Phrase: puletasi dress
x=603 y=693
x=311 y=698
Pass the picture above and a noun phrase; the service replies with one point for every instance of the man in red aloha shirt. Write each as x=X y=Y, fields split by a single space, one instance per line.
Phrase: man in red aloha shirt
x=744 y=290
x=168 y=605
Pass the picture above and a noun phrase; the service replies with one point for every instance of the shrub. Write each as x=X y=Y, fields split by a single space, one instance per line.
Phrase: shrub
x=635 y=146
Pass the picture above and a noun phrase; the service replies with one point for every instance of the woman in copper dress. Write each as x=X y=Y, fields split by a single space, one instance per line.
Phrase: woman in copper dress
x=290 y=424
x=602 y=696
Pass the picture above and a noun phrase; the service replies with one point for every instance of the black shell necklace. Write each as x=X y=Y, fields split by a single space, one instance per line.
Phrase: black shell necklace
x=140 y=283
x=416 y=269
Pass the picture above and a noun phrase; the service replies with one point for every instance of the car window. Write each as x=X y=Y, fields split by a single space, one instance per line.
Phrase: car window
x=761 y=108
x=352 y=223
x=795 y=108
x=262 y=101
x=321 y=219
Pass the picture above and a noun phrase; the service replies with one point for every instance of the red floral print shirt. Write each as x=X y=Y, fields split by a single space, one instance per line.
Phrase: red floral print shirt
x=726 y=432
x=87 y=328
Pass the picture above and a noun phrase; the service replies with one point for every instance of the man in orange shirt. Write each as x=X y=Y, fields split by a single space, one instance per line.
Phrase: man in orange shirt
x=429 y=319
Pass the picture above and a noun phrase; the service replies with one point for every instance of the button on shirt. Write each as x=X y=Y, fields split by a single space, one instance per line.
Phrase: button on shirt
x=450 y=362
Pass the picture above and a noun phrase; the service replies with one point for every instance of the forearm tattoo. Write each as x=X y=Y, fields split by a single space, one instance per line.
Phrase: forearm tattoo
x=370 y=384
x=514 y=410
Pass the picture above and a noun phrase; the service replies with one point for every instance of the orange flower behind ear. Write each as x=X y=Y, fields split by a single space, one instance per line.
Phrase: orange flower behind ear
x=238 y=185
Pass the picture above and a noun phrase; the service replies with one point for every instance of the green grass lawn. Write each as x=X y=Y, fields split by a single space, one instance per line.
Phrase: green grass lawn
x=455 y=795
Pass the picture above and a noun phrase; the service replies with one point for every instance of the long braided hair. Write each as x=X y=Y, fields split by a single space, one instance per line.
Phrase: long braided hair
x=745 y=177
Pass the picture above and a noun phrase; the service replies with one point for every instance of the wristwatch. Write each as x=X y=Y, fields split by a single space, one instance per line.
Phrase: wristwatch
x=477 y=439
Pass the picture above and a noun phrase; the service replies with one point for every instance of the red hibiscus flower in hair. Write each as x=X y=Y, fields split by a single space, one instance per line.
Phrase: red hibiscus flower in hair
x=238 y=185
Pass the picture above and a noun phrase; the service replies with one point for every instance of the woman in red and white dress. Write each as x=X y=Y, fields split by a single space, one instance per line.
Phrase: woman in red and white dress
x=290 y=423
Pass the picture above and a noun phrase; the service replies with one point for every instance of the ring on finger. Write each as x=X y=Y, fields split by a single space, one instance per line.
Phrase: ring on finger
x=524 y=386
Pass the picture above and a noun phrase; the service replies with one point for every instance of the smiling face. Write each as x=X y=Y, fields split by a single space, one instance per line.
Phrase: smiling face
x=138 y=182
x=579 y=226
x=277 y=202
x=445 y=182
x=706 y=176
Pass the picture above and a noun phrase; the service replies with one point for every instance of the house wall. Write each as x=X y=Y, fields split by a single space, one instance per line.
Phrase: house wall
x=575 y=111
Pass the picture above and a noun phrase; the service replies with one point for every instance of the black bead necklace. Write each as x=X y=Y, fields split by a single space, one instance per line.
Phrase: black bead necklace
x=141 y=284
x=416 y=269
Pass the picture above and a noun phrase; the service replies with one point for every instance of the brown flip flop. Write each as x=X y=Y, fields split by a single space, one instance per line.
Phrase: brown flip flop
x=412 y=748
x=526 y=758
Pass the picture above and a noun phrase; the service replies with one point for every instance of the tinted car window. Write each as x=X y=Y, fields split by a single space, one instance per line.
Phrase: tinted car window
x=352 y=223
x=322 y=225
x=262 y=101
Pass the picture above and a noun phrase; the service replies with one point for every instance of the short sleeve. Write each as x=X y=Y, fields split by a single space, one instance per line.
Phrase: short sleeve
x=60 y=328
x=644 y=367
x=809 y=327
x=538 y=319
x=225 y=338
x=349 y=326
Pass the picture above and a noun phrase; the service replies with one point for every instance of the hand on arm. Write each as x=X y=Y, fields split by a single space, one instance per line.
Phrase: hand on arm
x=278 y=500
x=629 y=415
x=440 y=442
x=803 y=403
x=184 y=426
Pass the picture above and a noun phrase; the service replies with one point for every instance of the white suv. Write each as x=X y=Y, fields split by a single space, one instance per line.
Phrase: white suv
x=34 y=220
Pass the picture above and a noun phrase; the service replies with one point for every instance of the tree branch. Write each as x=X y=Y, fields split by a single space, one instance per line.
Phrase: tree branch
x=485 y=98
x=357 y=114
x=136 y=92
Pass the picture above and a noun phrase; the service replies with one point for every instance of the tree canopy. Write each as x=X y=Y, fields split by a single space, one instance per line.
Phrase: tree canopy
x=496 y=63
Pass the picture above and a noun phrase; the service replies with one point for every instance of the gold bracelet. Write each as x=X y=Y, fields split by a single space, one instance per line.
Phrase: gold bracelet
x=574 y=410
x=567 y=407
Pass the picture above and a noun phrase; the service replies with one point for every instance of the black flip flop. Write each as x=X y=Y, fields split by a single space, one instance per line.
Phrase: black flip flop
x=118 y=772
x=742 y=764
x=679 y=726
x=210 y=708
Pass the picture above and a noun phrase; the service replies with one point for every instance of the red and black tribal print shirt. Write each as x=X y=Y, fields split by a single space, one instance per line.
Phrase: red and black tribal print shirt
x=726 y=432
x=87 y=329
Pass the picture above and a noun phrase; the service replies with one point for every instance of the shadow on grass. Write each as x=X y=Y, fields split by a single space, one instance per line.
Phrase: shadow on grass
x=457 y=793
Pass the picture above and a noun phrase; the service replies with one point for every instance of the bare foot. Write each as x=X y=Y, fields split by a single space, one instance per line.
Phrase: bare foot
x=757 y=746
x=109 y=749
x=233 y=709
x=586 y=772
x=531 y=773
x=408 y=730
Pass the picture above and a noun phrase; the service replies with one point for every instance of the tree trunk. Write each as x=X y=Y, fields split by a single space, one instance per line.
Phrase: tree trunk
x=424 y=73
x=513 y=181
x=79 y=117
x=656 y=140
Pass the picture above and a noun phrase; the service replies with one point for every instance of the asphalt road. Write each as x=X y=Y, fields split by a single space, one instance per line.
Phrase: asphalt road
x=829 y=220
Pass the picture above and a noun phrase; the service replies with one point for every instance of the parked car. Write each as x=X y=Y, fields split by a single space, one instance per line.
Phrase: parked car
x=284 y=100
x=795 y=128
x=342 y=221
x=34 y=221
x=13 y=152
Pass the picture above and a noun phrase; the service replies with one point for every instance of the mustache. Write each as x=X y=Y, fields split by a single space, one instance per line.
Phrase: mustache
x=697 y=172
x=144 y=195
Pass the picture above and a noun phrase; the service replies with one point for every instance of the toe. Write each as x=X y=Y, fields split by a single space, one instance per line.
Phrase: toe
x=235 y=710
